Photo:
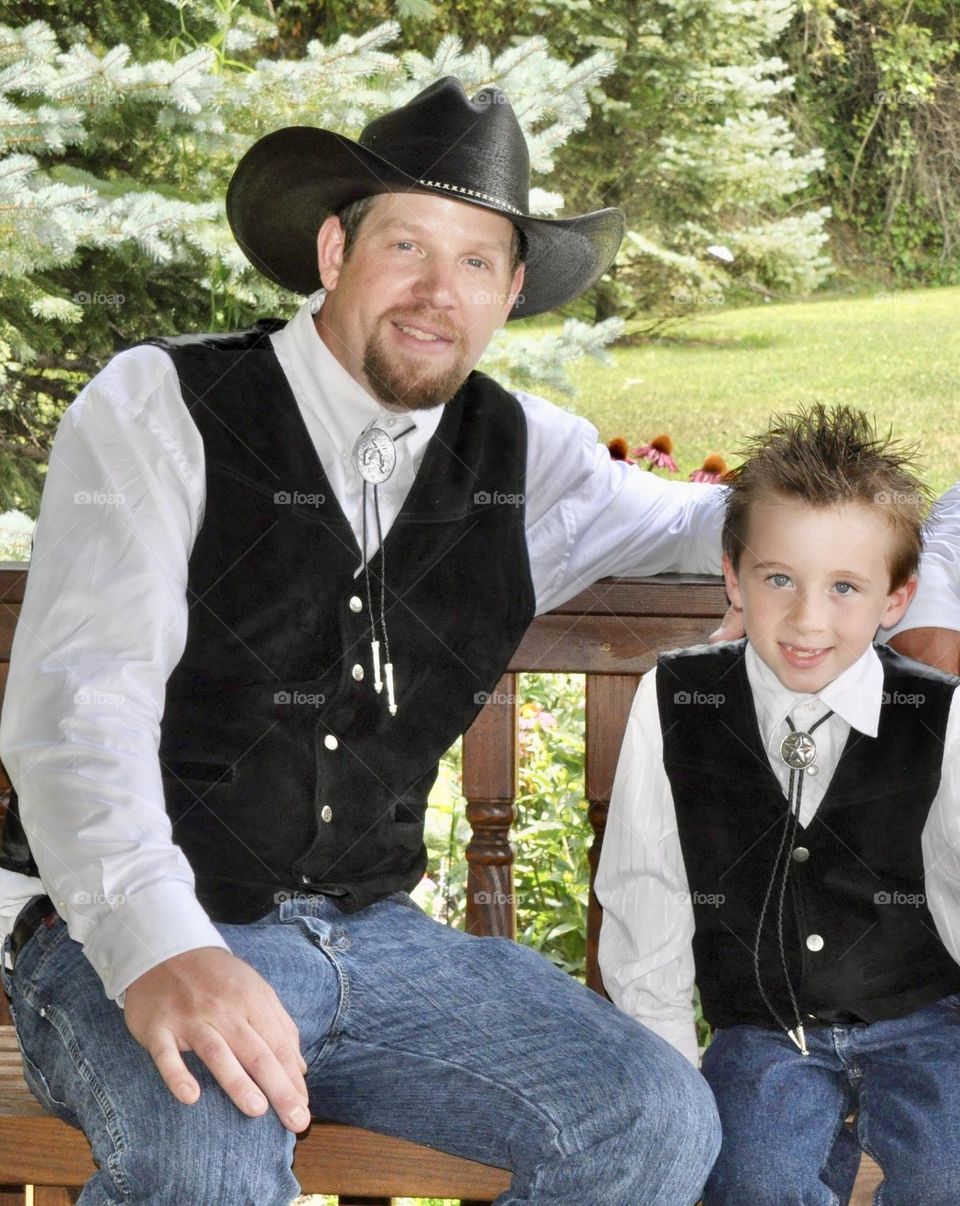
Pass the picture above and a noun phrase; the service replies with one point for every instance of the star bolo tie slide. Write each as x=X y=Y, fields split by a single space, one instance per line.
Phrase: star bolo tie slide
x=798 y=750
x=375 y=458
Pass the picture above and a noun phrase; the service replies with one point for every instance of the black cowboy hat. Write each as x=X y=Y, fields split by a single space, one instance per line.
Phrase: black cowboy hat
x=439 y=142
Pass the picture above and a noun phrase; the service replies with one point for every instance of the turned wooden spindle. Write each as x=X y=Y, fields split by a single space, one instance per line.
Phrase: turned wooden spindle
x=608 y=700
x=490 y=788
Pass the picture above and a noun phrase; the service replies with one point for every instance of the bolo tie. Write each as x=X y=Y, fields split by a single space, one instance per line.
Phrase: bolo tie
x=798 y=751
x=375 y=458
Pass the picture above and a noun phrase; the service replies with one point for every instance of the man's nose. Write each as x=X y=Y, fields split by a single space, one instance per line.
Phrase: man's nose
x=434 y=283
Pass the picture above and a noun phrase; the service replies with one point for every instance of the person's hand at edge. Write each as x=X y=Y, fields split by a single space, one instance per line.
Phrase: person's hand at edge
x=212 y=1003
x=938 y=647
x=731 y=627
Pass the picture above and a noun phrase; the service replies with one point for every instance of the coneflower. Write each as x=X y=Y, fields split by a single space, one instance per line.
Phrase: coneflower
x=712 y=470
x=659 y=453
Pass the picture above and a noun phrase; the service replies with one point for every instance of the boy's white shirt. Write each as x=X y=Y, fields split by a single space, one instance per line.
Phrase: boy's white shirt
x=646 y=953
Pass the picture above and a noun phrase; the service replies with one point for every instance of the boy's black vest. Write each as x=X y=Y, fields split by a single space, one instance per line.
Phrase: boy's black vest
x=283 y=772
x=858 y=881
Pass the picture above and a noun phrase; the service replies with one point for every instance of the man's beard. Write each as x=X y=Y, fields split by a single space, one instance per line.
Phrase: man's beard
x=409 y=385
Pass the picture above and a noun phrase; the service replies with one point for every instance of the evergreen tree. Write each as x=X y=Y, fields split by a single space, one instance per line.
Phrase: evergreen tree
x=113 y=167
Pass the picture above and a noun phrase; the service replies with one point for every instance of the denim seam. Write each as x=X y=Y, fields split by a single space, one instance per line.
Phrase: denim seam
x=110 y=1118
x=863 y=1127
x=533 y=1106
x=327 y=948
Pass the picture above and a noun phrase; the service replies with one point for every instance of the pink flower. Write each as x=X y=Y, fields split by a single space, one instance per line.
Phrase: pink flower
x=658 y=453
x=712 y=470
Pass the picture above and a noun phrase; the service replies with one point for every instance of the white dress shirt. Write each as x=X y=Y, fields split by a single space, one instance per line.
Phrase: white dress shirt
x=937 y=601
x=646 y=953
x=104 y=619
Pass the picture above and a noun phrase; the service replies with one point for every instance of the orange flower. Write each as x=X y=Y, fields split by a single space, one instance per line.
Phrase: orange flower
x=617 y=448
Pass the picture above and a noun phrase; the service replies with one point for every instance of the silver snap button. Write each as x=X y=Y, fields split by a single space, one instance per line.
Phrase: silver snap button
x=326 y=813
x=330 y=741
x=801 y=854
x=814 y=942
x=357 y=672
x=355 y=603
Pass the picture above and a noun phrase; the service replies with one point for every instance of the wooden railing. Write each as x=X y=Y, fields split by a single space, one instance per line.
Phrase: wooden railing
x=611 y=633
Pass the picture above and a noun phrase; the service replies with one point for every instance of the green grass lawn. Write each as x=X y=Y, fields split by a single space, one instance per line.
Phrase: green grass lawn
x=897 y=355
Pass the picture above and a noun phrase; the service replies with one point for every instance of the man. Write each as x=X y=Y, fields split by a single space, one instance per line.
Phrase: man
x=274 y=574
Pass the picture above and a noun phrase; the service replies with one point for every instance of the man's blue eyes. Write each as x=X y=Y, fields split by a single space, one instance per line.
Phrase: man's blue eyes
x=473 y=261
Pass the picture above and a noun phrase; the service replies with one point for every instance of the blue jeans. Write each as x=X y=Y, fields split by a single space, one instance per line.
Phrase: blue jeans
x=476 y=1046
x=782 y=1113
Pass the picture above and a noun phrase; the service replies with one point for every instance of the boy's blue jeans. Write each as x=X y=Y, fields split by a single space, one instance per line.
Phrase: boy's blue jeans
x=474 y=1045
x=782 y=1114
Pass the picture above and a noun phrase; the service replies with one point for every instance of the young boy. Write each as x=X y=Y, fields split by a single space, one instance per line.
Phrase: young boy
x=786 y=821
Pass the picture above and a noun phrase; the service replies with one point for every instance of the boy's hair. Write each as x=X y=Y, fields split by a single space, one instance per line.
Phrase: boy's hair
x=825 y=458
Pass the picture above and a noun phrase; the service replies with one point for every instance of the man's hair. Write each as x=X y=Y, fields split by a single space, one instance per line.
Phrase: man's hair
x=826 y=458
x=351 y=219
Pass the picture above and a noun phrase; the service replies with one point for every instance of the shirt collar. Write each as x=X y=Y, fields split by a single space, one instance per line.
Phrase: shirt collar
x=341 y=402
x=855 y=695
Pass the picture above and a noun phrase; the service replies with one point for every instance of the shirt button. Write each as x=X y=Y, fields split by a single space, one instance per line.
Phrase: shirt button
x=330 y=741
x=357 y=672
x=326 y=813
x=355 y=604
x=801 y=854
x=814 y=942
x=391 y=422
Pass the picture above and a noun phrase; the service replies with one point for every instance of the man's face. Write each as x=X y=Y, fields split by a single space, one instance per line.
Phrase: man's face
x=411 y=309
x=814 y=585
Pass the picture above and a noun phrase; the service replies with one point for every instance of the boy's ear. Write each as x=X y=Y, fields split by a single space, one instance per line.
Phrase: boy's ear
x=898 y=601
x=732 y=581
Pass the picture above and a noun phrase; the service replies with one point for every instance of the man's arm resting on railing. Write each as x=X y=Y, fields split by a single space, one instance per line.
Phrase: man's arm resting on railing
x=646 y=953
x=589 y=517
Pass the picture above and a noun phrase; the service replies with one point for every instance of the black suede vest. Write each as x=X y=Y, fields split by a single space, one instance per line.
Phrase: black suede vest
x=862 y=887
x=283 y=772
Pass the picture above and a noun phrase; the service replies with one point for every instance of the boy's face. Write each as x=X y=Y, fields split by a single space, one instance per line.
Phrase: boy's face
x=814 y=585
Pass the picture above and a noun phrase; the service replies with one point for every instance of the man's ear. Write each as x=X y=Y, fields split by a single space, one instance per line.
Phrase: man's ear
x=330 y=251
x=898 y=601
x=732 y=581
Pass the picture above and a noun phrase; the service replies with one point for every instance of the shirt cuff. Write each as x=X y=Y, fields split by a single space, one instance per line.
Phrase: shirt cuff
x=155 y=925
x=683 y=1036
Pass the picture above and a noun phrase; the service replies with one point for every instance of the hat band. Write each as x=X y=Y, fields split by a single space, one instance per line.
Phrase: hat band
x=472 y=192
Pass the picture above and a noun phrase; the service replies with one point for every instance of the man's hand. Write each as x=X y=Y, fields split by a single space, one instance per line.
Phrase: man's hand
x=731 y=626
x=212 y=1003
x=938 y=647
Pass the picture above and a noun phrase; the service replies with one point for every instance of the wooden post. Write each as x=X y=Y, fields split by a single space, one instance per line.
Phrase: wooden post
x=608 y=700
x=490 y=787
